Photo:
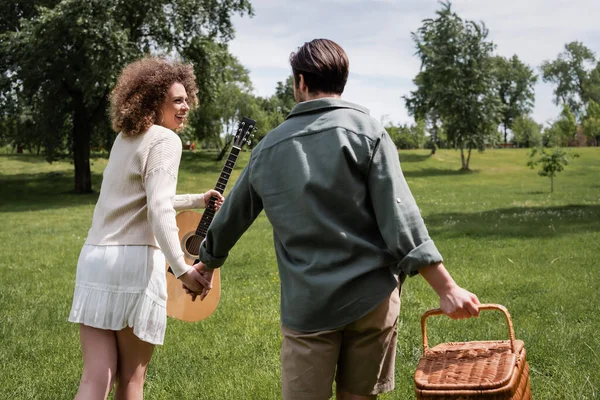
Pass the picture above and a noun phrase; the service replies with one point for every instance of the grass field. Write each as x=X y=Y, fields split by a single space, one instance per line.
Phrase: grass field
x=502 y=234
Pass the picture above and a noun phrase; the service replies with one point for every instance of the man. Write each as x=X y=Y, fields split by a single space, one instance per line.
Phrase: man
x=346 y=230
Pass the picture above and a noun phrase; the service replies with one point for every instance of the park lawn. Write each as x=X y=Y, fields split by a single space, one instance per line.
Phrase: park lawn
x=502 y=234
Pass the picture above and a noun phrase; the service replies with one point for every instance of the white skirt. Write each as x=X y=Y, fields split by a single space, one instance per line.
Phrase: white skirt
x=121 y=286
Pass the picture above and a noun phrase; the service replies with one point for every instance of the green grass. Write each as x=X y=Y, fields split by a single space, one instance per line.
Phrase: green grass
x=502 y=234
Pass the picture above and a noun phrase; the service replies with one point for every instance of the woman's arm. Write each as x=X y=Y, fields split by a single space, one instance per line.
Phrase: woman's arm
x=190 y=201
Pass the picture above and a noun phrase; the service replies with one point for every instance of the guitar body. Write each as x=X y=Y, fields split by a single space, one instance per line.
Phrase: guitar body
x=179 y=303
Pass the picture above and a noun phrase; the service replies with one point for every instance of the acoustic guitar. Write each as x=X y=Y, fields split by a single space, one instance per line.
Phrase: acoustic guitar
x=193 y=227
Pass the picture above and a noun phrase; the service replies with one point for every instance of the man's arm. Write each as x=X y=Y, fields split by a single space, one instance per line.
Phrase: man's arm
x=239 y=210
x=405 y=234
x=398 y=217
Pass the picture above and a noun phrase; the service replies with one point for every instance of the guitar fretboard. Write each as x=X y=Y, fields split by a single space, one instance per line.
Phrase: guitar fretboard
x=209 y=212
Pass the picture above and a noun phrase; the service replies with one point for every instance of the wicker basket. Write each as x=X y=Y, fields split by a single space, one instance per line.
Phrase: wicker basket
x=473 y=370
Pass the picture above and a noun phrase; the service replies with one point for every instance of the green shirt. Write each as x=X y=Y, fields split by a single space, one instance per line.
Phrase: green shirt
x=345 y=224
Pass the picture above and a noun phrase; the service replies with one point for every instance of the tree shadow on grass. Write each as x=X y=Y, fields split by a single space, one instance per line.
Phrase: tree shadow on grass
x=412 y=158
x=425 y=172
x=51 y=190
x=517 y=222
x=41 y=191
x=25 y=157
x=538 y=192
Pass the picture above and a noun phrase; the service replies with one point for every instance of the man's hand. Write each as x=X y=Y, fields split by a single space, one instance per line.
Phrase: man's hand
x=455 y=302
x=194 y=282
x=458 y=303
x=206 y=278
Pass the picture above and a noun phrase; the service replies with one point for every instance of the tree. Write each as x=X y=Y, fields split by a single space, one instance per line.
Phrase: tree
x=274 y=109
x=64 y=57
x=407 y=137
x=576 y=73
x=221 y=107
x=526 y=132
x=456 y=82
x=516 y=82
x=566 y=126
x=417 y=132
x=284 y=95
x=561 y=130
x=591 y=122
x=551 y=161
x=400 y=135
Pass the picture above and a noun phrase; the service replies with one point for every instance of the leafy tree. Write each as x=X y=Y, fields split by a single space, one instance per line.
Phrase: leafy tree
x=64 y=57
x=437 y=135
x=526 y=132
x=551 y=162
x=284 y=95
x=576 y=73
x=516 y=82
x=591 y=122
x=418 y=133
x=221 y=107
x=551 y=135
x=407 y=137
x=561 y=130
x=456 y=82
x=400 y=135
x=566 y=125
x=274 y=109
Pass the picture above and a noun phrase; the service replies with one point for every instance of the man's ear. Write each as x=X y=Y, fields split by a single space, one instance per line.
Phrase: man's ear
x=302 y=84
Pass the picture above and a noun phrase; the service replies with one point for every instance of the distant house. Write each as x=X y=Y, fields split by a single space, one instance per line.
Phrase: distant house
x=580 y=139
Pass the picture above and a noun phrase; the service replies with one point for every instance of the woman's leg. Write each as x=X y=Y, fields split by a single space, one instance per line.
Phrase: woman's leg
x=134 y=357
x=99 y=350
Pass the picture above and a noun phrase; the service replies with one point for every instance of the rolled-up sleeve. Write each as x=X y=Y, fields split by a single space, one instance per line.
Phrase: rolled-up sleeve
x=396 y=211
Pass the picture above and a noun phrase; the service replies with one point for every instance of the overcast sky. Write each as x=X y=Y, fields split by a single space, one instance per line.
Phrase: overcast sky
x=376 y=36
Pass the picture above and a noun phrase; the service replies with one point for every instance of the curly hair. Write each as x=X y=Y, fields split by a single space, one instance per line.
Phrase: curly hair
x=137 y=97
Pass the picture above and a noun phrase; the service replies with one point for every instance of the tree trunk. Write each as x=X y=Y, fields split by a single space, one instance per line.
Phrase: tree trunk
x=81 y=146
x=224 y=150
x=505 y=135
x=462 y=159
x=465 y=161
x=469 y=158
x=551 y=183
x=434 y=137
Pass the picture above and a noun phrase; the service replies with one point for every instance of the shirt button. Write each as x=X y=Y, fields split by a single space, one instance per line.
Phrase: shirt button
x=398 y=200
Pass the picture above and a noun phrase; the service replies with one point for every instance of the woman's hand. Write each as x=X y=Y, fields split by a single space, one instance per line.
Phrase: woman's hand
x=194 y=282
x=218 y=202
x=207 y=278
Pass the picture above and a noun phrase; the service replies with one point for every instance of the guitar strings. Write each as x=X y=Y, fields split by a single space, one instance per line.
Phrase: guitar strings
x=193 y=243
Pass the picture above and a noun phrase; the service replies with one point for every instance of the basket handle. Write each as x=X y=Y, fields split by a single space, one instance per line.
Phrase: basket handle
x=499 y=307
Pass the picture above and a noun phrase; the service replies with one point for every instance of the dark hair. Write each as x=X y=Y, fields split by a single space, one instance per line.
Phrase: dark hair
x=324 y=65
x=141 y=89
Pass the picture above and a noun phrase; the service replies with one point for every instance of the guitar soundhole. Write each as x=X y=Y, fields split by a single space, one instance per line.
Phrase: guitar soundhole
x=192 y=245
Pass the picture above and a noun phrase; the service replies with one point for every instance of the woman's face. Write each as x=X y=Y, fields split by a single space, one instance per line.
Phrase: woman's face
x=174 y=108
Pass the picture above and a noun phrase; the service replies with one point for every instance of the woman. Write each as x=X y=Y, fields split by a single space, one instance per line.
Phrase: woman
x=120 y=290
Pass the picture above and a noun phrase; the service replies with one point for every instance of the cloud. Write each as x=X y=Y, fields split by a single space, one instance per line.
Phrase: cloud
x=376 y=34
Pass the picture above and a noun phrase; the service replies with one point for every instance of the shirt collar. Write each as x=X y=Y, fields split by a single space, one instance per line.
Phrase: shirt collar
x=323 y=104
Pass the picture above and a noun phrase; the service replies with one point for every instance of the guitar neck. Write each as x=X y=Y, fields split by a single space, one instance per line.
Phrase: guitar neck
x=209 y=212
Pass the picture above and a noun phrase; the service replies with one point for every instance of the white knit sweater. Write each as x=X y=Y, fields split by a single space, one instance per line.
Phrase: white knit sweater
x=137 y=201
